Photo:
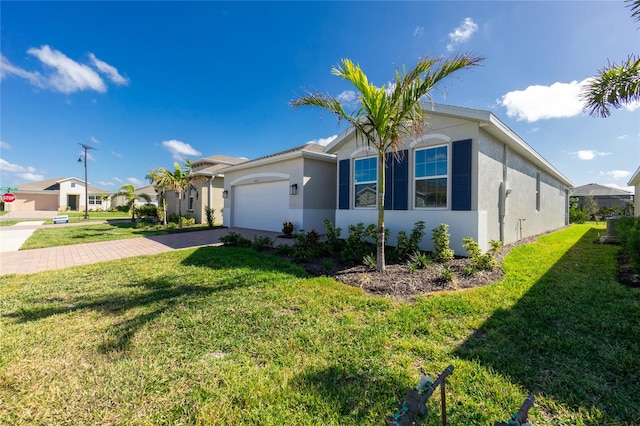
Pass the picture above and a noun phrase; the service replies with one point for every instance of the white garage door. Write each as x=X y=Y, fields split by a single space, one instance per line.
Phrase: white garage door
x=261 y=205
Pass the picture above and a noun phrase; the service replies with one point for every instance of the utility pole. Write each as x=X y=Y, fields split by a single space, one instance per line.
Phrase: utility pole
x=83 y=157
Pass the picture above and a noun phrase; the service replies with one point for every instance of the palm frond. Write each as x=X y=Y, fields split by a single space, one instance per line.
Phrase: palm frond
x=614 y=87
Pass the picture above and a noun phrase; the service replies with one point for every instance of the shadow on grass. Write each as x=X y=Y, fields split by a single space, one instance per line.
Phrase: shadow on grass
x=573 y=337
x=348 y=390
x=140 y=303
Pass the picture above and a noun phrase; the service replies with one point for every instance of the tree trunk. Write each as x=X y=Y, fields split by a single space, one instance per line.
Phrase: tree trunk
x=380 y=261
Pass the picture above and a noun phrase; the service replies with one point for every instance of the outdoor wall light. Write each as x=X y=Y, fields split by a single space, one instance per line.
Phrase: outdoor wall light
x=293 y=189
x=225 y=194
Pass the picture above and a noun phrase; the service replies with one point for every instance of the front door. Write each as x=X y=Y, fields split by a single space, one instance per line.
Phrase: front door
x=72 y=202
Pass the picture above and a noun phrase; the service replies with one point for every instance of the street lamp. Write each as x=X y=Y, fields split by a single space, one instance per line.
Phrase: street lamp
x=83 y=157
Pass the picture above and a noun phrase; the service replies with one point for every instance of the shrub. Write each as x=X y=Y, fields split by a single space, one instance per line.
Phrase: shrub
x=187 y=220
x=147 y=211
x=369 y=261
x=173 y=218
x=628 y=229
x=283 y=249
x=306 y=247
x=577 y=215
x=479 y=261
x=356 y=246
x=261 y=243
x=419 y=260
x=442 y=252
x=234 y=239
x=332 y=234
x=407 y=244
x=446 y=274
x=208 y=211
x=287 y=228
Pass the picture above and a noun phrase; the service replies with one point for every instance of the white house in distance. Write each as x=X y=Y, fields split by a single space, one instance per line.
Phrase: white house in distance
x=467 y=170
x=635 y=182
x=296 y=185
x=59 y=194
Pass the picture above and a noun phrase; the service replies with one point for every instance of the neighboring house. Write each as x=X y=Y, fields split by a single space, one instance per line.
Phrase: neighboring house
x=467 y=170
x=297 y=185
x=605 y=196
x=150 y=190
x=635 y=182
x=206 y=192
x=59 y=194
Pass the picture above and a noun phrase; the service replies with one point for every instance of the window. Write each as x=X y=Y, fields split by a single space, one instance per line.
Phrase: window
x=73 y=184
x=95 y=200
x=365 y=173
x=431 y=171
x=192 y=194
x=538 y=191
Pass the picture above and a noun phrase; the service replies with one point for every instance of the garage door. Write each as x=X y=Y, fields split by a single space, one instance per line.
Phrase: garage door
x=261 y=205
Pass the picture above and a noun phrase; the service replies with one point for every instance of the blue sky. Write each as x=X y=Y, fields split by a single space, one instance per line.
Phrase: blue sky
x=149 y=83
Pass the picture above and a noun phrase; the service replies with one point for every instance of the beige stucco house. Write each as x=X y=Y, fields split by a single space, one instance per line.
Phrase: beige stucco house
x=59 y=194
x=206 y=192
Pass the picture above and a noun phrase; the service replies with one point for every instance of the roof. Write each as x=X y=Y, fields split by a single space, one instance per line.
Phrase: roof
x=209 y=166
x=48 y=185
x=489 y=123
x=635 y=178
x=596 y=190
x=308 y=150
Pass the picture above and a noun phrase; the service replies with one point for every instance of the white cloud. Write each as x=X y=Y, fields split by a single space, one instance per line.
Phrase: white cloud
x=4 y=145
x=32 y=177
x=180 y=150
x=135 y=182
x=462 y=33
x=624 y=188
x=324 y=141
x=622 y=137
x=116 y=154
x=69 y=76
x=103 y=183
x=618 y=174
x=26 y=173
x=7 y=68
x=589 y=154
x=62 y=73
x=540 y=102
x=95 y=140
x=118 y=179
x=418 y=31
x=109 y=70
x=632 y=106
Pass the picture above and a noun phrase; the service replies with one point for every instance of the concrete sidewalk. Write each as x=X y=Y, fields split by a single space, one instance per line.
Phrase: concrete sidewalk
x=37 y=260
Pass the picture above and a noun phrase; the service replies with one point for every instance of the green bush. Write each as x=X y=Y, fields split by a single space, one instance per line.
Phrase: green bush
x=442 y=252
x=369 y=261
x=234 y=239
x=418 y=260
x=208 y=211
x=356 y=246
x=147 y=211
x=407 y=244
x=332 y=234
x=287 y=228
x=479 y=261
x=306 y=247
x=187 y=220
x=628 y=229
x=284 y=249
x=577 y=215
x=261 y=243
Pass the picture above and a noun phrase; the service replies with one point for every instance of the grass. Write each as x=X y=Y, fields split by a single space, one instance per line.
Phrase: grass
x=68 y=235
x=220 y=335
x=75 y=217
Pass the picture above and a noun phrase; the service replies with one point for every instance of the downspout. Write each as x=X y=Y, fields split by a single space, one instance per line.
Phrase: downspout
x=504 y=192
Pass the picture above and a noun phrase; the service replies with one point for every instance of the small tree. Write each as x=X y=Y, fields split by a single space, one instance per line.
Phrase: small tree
x=128 y=192
x=591 y=206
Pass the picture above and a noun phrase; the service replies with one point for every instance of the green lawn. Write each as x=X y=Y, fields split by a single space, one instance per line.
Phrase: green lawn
x=68 y=235
x=220 y=335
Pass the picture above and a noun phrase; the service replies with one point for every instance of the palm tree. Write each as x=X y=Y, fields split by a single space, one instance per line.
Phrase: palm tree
x=386 y=115
x=154 y=177
x=179 y=180
x=128 y=192
x=616 y=85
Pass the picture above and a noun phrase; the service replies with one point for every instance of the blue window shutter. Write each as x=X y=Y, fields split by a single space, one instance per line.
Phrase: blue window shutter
x=461 y=175
x=343 y=184
x=388 y=181
x=401 y=181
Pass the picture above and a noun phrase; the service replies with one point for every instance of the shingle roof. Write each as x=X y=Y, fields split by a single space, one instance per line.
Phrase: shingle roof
x=596 y=190
x=52 y=185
